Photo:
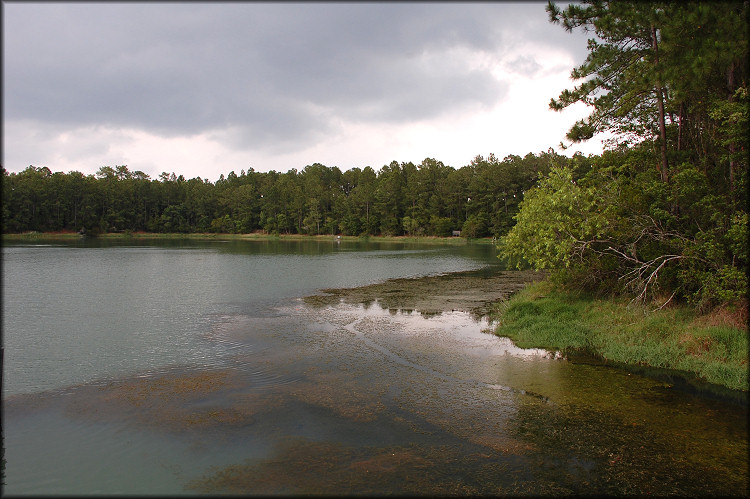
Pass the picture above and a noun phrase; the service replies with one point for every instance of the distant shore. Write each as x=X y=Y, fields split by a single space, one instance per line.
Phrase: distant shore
x=29 y=236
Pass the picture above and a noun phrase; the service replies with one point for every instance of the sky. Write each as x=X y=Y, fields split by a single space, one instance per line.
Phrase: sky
x=202 y=89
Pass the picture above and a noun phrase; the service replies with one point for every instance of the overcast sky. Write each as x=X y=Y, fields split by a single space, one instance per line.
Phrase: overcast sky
x=202 y=89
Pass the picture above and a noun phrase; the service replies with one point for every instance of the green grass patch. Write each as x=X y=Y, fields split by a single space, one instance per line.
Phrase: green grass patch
x=541 y=316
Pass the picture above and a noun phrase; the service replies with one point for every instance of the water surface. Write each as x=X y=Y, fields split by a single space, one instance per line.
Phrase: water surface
x=77 y=312
x=197 y=367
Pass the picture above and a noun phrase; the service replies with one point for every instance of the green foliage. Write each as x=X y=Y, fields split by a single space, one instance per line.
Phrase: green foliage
x=619 y=69
x=736 y=237
x=558 y=221
x=623 y=230
x=660 y=215
x=475 y=226
x=441 y=226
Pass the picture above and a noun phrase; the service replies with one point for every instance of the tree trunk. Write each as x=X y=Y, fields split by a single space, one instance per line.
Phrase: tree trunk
x=660 y=106
x=679 y=127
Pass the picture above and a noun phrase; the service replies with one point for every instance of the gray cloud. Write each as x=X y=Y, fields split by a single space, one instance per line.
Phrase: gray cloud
x=263 y=73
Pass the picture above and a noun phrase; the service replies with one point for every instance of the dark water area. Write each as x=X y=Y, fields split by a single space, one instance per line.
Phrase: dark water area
x=231 y=386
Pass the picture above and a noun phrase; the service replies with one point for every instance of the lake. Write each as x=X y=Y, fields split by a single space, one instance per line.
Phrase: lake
x=198 y=367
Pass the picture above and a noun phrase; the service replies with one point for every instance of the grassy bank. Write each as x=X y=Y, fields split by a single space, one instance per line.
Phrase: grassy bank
x=30 y=236
x=714 y=347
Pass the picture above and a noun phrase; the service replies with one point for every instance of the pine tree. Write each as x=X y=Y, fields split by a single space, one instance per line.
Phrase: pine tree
x=622 y=75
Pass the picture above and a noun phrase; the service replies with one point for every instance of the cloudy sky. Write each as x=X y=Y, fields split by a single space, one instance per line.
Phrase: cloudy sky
x=202 y=89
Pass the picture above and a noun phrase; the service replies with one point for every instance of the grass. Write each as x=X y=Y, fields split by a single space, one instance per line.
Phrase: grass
x=713 y=348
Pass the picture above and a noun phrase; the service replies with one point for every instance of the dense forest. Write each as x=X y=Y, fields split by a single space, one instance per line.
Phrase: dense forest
x=661 y=214
x=430 y=198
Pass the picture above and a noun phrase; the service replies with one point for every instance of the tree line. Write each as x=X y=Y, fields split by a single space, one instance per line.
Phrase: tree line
x=430 y=198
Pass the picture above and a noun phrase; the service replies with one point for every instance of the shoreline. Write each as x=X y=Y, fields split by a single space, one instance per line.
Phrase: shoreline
x=253 y=236
x=695 y=352
x=484 y=295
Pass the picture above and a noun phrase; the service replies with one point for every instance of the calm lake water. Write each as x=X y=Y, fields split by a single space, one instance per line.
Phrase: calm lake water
x=194 y=367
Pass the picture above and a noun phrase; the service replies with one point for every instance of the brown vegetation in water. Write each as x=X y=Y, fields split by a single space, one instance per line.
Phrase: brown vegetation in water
x=462 y=291
x=345 y=397
x=169 y=401
x=411 y=470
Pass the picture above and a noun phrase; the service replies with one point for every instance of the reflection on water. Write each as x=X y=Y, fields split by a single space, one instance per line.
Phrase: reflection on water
x=345 y=399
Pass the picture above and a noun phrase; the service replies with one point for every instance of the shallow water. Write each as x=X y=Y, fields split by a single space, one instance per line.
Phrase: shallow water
x=290 y=398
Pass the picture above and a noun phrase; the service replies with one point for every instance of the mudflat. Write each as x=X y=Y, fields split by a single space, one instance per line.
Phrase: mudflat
x=473 y=292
